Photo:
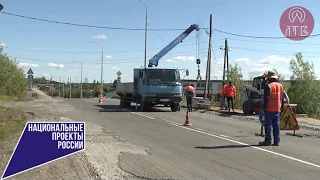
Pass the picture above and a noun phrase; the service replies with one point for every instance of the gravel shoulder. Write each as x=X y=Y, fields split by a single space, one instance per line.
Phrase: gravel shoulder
x=305 y=123
x=98 y=162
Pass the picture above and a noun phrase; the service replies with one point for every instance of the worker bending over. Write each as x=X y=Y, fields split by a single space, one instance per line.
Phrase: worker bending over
x=231 y=93
x=272 y=105
x=190 y=92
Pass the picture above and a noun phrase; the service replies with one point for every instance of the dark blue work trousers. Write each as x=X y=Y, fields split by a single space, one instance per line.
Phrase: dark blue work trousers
x=272 y=121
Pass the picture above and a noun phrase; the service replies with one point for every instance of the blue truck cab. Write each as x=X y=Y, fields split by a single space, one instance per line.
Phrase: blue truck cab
x=155 y=86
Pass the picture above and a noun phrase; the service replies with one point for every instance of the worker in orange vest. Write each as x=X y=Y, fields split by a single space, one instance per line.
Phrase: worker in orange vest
x=231 y=93
x=190 y=92
x=223 y=105
x=272 y=105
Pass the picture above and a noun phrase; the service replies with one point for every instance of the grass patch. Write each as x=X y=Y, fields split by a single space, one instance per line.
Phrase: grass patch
x=12 y=121
x=7 y=98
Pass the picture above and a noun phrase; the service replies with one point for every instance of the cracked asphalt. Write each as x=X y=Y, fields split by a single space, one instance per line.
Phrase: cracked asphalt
x=214 y=147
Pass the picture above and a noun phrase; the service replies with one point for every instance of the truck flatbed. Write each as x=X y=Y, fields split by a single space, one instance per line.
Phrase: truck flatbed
x=125 y=88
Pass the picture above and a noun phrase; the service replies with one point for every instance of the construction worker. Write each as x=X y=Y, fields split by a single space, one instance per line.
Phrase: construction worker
x=231 y=93
x=223 y=105
x=261 y=114
x=272 y=105
x=190 y=92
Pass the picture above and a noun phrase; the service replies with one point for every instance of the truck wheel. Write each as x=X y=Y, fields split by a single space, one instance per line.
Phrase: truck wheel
x=143 y=106
x=247 y=108
x=174 y=107
x=127 y=104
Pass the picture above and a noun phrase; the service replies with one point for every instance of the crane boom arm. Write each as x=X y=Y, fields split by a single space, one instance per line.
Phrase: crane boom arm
x=155 y=59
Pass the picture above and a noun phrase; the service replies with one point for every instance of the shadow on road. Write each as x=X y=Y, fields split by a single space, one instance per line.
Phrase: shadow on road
x=116 y=108
x=224 y=147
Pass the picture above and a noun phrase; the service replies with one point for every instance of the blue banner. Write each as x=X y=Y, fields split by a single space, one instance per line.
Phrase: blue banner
x=44 y=142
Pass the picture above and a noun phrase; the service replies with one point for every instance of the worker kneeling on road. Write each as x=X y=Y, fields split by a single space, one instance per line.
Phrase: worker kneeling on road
x=272 y=105
x=190 y=91
x=231 y=93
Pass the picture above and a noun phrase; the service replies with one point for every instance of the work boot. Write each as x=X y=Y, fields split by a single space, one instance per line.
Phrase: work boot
x=264 y=143
x=275 y=144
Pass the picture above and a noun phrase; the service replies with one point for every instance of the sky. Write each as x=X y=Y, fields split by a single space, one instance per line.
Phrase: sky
x=58 y=50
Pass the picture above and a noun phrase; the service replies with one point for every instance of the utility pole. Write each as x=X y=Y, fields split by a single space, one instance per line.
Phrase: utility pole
x=208 y=70
x=70 y=87
x=63 y=89
x=60 y=87
x=226 y=61
x=81 y=81
x=145 y=34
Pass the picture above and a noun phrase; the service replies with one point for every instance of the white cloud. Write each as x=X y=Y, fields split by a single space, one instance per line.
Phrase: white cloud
x=181 y=58
x=56 y=65
x=99 y=36
x=108 y=57
x=29 y=65
x=3 y=45
x=242 y=59
x=115 y=68
x=274 y=59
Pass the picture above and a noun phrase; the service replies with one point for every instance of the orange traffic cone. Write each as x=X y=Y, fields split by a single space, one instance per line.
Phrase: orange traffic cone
x=100 y=99
x=187 y=123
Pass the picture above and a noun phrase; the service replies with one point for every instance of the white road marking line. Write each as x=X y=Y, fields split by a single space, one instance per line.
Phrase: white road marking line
x=229 y=137
x=143 y=115
x=88 y=100
x=231 y=140
x=244 y=144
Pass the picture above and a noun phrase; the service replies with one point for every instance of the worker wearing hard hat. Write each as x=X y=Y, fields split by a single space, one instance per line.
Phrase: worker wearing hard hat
x=190 y=92
x=272 y=104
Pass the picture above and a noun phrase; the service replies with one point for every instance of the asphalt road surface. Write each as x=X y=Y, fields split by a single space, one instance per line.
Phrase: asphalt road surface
x=214 y=147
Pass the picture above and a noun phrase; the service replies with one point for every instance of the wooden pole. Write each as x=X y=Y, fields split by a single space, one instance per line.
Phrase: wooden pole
x=206 y=89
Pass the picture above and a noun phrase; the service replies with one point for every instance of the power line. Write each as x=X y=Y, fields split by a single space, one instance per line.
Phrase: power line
x=264 y=37
x=268 y=50
x=88 y=26
x=140 y=29
x=259 y=41
x=80 y=52
x=126 y=60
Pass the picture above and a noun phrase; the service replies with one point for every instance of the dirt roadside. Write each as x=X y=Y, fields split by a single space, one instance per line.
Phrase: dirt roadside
x=98 y=162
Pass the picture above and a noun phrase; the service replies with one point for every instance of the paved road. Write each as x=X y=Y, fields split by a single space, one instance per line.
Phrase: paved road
x=213 y=148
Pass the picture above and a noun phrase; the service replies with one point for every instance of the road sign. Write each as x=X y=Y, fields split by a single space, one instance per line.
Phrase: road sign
x=288 y=120
x=119 y=79
x=30 y=71
x=119 y=73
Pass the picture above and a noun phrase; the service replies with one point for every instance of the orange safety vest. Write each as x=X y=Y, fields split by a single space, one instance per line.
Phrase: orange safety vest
x=230 y=91
x=275 y=97
x=223 y=89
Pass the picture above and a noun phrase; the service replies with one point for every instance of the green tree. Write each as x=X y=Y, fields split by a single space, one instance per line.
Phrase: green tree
x=13 y=82
x=305 y=89
x=236 y=77
x=114 y=85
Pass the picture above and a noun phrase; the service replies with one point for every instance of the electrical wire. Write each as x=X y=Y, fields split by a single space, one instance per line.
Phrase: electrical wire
x=268 y=50
x=140 y=29
x=80 y=52
x=156 y=34
x=264 y=37
x=88 y=26
x=261 y=41
x=114 y=60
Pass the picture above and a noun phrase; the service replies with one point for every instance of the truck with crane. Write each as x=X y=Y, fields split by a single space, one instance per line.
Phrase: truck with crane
x=152 y=86
x=252 y=96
